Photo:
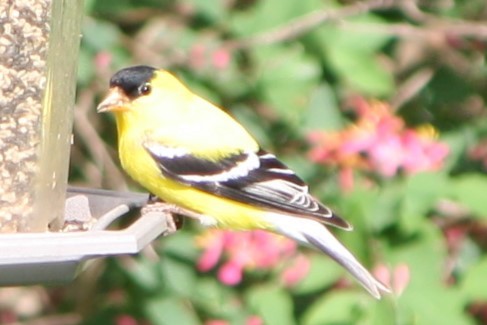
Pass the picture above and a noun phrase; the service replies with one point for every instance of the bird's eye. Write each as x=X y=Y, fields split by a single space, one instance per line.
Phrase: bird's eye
x=145 y=89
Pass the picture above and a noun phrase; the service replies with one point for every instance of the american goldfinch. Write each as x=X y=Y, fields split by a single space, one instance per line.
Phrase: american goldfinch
x=190 y=153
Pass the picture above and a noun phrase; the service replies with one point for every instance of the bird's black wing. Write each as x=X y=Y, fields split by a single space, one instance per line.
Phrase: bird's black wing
x=254 y=178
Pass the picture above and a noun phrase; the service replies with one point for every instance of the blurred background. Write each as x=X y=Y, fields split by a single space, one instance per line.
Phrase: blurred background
x=379 y=105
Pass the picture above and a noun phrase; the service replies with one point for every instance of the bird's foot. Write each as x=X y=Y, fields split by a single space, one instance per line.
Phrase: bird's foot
x=175 y=213
x=174 y=219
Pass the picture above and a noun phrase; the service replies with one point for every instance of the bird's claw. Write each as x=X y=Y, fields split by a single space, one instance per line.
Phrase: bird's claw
x=174 y=220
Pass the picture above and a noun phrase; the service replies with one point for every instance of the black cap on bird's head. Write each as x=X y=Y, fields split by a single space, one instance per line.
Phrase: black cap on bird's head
x=125 y=85
x=131 y=79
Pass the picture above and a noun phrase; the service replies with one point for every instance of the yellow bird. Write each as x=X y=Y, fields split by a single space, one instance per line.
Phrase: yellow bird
x=190 y=153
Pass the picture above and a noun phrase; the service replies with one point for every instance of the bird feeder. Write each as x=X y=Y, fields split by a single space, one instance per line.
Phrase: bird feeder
x=39 y=44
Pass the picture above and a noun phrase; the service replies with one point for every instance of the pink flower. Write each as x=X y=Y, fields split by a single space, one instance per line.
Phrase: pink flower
x=126 y=320
x=217 y=322
x=296 y=271
x=251 y=320
x=212 y=253
x=345 y=179
x=397 y=279
x=246 y=251
x=196 y=57
x=230 y=273
x=103 y=60
x=254 y=320
x=380 y=142
x=425 y=154
x=221 y=59
x=206 y=56
x=402 y=276
x=479 y=152
x=386 y=155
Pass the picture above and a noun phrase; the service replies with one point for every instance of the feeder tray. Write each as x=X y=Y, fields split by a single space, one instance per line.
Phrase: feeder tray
x=56 y=257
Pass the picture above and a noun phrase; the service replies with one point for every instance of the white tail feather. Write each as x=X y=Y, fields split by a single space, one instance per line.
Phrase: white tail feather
x=313 y=233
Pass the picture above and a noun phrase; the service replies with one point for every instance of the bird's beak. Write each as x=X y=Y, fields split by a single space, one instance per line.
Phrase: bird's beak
x=114 y=101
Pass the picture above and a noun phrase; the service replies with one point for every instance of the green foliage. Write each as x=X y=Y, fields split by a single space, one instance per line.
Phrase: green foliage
x=282 y=88
x=353 y=55
x=285 y=76
x=317 y=280
x=272 y=303
x=473 y=285
x=322 y=112
x=469 y=189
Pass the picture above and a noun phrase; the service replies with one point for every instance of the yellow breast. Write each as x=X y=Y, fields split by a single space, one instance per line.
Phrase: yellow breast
x=137 y=162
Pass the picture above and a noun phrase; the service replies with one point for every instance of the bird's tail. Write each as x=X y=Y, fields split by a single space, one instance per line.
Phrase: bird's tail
x=313 y=233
